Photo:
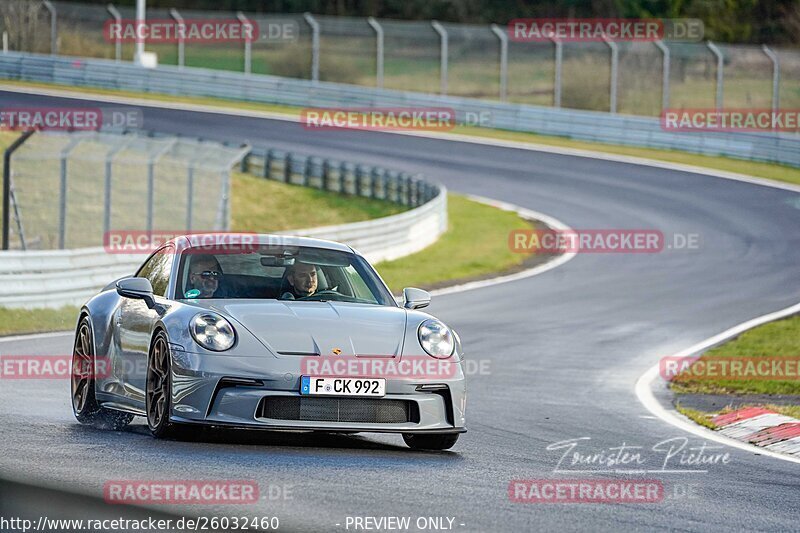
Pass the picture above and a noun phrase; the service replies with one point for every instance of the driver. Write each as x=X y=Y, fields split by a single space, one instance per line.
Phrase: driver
x=302 y=279
x=204 y=276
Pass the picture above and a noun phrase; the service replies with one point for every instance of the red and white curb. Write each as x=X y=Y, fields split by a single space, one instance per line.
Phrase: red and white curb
x=761 y=427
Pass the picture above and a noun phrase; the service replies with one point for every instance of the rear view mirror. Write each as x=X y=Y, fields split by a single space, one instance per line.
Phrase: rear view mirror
x=276 y=261
x=415 y=298
x=137 y=289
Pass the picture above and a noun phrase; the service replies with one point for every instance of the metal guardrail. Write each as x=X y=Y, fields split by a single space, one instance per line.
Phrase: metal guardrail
x=54 y=278
x=579 y=125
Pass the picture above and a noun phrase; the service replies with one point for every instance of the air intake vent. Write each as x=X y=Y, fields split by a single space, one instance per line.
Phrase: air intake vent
x=354 y=410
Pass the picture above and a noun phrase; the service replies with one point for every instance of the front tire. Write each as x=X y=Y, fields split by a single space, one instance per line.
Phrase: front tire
x=436 y=441
x=84 y=368
x=158 y=393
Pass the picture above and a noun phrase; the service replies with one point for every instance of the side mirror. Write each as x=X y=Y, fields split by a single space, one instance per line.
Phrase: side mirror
x=415 y=298
x=138 y=289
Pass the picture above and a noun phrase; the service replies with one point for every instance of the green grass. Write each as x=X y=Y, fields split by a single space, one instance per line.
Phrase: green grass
x=21 y=321
x=786 y=410
x=775 y=339
x=699 y=417
x=265 y=206
x=475 y=244
x=763 y=170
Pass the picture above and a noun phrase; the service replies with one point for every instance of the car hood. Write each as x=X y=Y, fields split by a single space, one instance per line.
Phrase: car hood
x=306 y=328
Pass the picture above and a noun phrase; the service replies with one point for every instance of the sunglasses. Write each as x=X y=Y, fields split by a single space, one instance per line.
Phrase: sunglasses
x=209 y=274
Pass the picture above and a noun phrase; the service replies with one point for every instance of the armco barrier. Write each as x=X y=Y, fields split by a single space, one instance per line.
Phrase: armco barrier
x=582 y=125
x=54 y=278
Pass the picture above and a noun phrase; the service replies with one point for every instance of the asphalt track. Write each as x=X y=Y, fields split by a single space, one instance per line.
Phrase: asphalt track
x=564 y=350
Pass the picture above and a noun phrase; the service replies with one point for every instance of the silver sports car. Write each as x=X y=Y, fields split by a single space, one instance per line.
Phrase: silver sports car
x=271 y=332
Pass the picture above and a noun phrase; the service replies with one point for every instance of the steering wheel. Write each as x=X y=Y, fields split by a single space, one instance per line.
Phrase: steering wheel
x=322 y=294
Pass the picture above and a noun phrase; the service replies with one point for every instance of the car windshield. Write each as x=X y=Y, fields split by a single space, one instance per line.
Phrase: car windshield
x=281 y=273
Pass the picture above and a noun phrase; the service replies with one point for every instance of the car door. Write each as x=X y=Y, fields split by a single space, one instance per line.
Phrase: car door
x=135 y=322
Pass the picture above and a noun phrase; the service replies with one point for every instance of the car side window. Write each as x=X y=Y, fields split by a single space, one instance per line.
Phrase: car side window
x=157 y=270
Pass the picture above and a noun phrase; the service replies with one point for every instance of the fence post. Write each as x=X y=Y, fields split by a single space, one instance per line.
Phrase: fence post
x=107 y=182
x=226 y=199
x=181 y=36
x=720 y=72
x=189 y=196
x=442 y=55
x=559 y=50
x=665 y=67
x=53 y=28
x=62 y=193
x=151 y=182
x=314 y=46
x=7 y=184
x=612 y=90
x=503 y=60
x=379 y=51
x=247 y=43
x=266 y=171
x=141 y=14
x=776 y=77
x=287 y=168
x=118 y=19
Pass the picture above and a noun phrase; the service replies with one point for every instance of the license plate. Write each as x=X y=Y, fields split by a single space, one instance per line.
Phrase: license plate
x=314 y=386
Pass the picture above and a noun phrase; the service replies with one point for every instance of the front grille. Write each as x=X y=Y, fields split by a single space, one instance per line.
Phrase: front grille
x=357 y=410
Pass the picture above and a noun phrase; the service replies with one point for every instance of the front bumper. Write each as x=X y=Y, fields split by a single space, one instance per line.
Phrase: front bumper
x=263 y=392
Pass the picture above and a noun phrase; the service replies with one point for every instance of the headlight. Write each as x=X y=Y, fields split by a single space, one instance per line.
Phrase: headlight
x=212 y=332
x=436 y=339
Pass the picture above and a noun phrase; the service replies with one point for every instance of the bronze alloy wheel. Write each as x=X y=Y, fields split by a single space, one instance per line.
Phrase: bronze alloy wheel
x=158 y=393
x=158 y=389
x=82 y=369
x=85 y=406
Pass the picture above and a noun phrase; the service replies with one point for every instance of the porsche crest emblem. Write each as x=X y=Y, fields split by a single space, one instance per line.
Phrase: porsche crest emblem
x=336 y=351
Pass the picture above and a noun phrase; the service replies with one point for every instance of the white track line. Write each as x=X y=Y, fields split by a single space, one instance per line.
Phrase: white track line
x=33 y=336
x=524 y=213
x=644 y=390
